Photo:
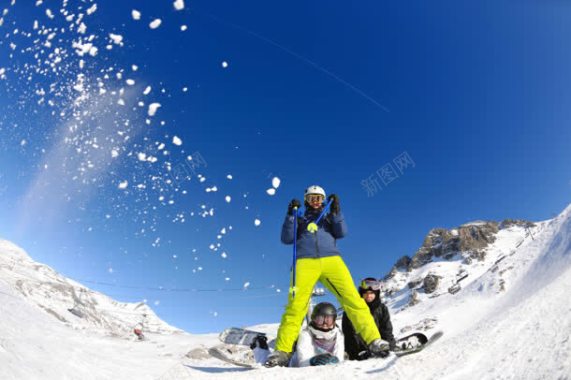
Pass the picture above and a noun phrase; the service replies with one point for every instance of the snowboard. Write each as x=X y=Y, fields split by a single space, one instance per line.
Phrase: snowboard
x=415 y=342
x=239 y=336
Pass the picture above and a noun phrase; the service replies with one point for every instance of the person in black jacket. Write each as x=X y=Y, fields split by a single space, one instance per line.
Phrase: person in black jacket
x=356 y=349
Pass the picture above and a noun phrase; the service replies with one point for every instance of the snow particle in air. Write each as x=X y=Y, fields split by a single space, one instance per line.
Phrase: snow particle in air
x=276 y=182
x=116 y=38
x=155 y=23
x=153 y=107
x=257 y=222
x=178 y=5
x=176 y=141
x=92 y=9
x=228 y=199
x=136 y=14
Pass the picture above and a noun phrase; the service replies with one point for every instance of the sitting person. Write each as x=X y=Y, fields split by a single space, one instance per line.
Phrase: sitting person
x=355 y=347
x=320 y=343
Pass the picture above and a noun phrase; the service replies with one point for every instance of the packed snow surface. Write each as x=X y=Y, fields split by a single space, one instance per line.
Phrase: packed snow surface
x=510 y=320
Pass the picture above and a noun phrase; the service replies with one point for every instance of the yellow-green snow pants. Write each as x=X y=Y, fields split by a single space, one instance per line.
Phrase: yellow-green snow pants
x=333 y=274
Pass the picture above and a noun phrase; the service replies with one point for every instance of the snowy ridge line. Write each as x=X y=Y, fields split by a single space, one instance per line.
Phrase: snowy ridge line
x=70 y=302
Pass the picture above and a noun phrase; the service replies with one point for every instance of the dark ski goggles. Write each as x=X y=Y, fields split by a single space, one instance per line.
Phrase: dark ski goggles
x=311 y=198
x=324 y=321
x=370 y=283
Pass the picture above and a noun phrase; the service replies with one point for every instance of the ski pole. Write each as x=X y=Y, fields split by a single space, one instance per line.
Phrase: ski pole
x=312 y=227
x=294 y=251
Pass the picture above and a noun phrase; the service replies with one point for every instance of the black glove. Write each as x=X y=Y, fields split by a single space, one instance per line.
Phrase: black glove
x=383 y=354
x=335 y=207
x=293 y=204
x=323 y=359
x=392 y=345
x=260 y=341
x=364 y=355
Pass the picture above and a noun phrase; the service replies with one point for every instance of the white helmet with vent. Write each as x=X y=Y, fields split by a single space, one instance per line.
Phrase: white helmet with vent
x=314 y=189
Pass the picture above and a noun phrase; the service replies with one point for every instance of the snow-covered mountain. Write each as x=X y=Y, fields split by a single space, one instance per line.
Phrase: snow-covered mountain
x=497 y=290
x=72 y=303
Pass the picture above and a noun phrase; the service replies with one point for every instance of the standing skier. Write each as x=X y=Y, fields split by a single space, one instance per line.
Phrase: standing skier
x=319 y=260
x=370 y=290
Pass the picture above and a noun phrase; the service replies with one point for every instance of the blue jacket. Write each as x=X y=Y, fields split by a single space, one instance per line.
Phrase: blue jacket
x=319 y=244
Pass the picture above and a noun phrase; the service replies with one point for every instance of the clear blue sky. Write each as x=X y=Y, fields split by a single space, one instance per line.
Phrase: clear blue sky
x=476 y=93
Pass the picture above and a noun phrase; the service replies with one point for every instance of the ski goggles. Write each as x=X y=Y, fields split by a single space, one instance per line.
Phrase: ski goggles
x=311 y=198
x=370 y=283
x=324 y=320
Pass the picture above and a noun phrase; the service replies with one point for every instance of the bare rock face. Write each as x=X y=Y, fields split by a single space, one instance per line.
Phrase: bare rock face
x=472 y=238
x=476 y=237
x=413 y=298
x=507 y=223
x=430 y=283
x=403 y=262
x=414 y=283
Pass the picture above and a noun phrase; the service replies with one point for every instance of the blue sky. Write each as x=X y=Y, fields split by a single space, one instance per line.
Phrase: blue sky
x=475 y=93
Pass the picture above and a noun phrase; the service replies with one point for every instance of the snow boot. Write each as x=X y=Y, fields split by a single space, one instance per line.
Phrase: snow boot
x=277 y=358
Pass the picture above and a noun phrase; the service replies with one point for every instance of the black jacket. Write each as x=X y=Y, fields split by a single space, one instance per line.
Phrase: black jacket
x=354 y=343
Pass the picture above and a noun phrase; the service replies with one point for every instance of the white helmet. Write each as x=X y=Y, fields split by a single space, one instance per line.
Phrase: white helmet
x=314 y=189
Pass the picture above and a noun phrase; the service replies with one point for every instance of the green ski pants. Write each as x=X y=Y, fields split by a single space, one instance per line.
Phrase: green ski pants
x=333 y=274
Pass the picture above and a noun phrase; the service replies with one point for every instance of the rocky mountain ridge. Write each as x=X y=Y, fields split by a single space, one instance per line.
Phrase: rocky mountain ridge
x=447 y=257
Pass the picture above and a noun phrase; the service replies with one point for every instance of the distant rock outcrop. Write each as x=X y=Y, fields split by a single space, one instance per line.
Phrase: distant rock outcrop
x=507 y=223
x=430 y=283
x=469 y=240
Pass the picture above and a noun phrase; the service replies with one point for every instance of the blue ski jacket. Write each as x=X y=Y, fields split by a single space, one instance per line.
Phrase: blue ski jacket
x=322 y=243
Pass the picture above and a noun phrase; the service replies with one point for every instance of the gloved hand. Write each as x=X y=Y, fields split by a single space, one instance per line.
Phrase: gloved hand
x=379 y=348
x=382 y=354
x=392 y=345
x=364 y=355
x=260 y=341
x=293 y=204
x=335 y=207
x=323 y=359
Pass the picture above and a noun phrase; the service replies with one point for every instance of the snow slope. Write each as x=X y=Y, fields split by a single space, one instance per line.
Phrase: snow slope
x=510 y=320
